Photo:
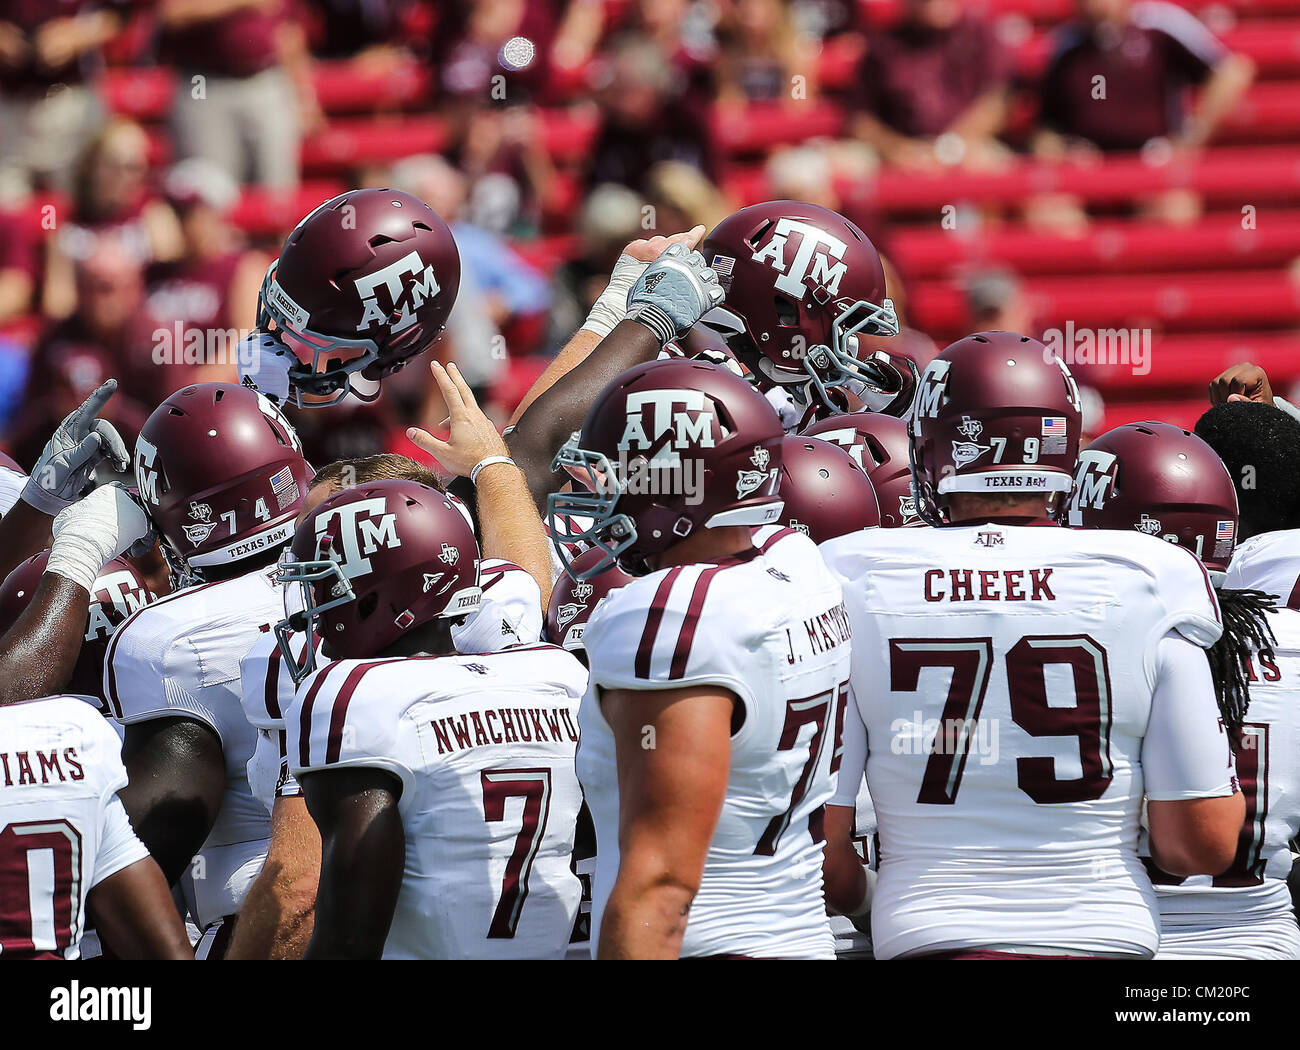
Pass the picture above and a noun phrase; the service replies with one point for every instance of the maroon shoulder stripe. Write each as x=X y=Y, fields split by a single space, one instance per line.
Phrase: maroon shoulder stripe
x=645 y=650
x=340 y=713
x=780 y=534
x=271 y=687
x=304 y=719
x=686 y=636
x=1293 y=602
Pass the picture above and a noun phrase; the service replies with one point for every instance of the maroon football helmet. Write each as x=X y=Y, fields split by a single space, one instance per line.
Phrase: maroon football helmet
x=995 y=413
x=363 y=284
x=802 y=282
x=825 y=493
x=1161 y=480
x=574 y=600
x=879 y=445
x=221 y=473
x=668 y=447
x=373 y=562
x=118 y=591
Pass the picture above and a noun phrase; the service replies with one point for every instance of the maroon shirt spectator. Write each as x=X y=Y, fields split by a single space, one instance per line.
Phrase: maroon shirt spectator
x=35 y=65
x=237 y=44
x=1148 y=59
x=917 y=79
x=643 y=123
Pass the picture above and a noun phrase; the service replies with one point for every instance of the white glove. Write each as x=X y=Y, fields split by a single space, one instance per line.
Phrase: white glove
x=611 y=307
x=91 y=533
x=673 y=293
x=264 y=365
x=67 y=465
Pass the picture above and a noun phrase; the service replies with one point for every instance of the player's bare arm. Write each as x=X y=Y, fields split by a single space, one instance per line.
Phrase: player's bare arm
x=38 y=654
x=177 y=780
x=674 y=751
x=844 y=876
x=1195 y=836
x=511 y=527
x=278 y=914
x=655 y=315
x=362 y=855
x=135 y=914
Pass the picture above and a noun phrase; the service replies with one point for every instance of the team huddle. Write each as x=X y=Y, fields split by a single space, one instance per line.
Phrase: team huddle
x=783 y=649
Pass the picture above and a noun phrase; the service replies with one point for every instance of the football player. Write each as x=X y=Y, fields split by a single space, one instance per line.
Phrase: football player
x=276 y=920
x=443 y=785
x=824 y=492
x=362 y=285
x=1259 y=444
x=1163 y=481
x=879 y=445
x=802 y=283
x=1018 y=690
x=66 y=846
x=716 y=676
x=222 y=475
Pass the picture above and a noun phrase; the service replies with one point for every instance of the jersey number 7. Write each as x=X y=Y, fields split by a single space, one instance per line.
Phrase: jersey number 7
x=534 y=787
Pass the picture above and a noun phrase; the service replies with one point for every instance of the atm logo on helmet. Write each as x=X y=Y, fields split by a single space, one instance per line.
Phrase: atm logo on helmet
x=362 y=528
x=1092 y=483
x=391 y=277
x=818 y=258
x=685 y=416
x=934 y=384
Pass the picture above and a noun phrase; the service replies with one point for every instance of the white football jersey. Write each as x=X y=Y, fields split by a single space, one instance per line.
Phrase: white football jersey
x=11 y=487
x=62 y=827
x=483 y=746
x=510 y=613
x=770 y=627
x=1269 y=562
x=1009 y=680
x=1245 y=913
x=180 y=657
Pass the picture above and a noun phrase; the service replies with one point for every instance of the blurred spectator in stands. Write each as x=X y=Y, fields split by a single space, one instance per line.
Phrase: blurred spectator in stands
x=835 y=175
x=501 y=149
x=245 y=96
x=1146 y=55
x=644 y=120
x=763 y=57
x=683 y=198
x=611 y=216
x=366 y=30
x=112 y=200
x=205 y=301
x=1118 y=80
x=682 y=30
x=49 y=109
x=19 y=264
x=996 y=302
x=495 y=49
x=108 y=335
x=500 y=294
x=932 y=91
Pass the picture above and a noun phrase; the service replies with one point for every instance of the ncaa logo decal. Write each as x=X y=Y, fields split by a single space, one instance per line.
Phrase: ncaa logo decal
x=391 y=277
x=749 y=481
x=907 y=509
x=965 y=453
x=196 y=534
x=565 y=614
x=817 y=260
x=450 y=555
x=683 y=417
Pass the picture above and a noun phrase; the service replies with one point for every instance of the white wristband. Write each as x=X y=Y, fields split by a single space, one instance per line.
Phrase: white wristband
x=478 y=467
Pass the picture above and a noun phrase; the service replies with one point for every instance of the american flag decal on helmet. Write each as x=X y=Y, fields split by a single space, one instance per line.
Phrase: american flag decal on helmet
x=285 y=487
x=1224 y=530
x=1054 y=426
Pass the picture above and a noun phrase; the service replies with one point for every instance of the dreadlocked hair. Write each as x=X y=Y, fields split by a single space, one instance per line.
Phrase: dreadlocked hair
x=1246 y=630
